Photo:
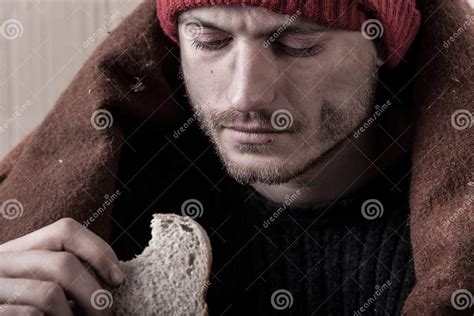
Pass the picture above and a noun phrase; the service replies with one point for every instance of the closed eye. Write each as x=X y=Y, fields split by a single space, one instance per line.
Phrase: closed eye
x=215 y=45
x=211 y=45
x=299 y=52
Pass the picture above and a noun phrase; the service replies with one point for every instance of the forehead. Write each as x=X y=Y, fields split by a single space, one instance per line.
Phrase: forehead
x=249 y=19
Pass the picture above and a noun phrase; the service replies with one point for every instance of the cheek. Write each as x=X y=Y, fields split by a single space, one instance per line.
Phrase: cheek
x=336 y=78
x=203 y=78
x=338 y=91
x=313 y=83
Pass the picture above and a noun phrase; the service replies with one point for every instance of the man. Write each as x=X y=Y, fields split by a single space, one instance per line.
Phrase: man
x=306 y=195
x=281 y=118
x=277 y=111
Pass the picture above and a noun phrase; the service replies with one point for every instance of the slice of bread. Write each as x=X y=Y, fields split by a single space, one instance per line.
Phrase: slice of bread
x=171 y=275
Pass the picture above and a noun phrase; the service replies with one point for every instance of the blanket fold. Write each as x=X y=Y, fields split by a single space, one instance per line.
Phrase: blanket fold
x=66 y=166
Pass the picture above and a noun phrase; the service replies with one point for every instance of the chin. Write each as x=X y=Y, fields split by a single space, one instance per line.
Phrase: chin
x=273 y=163
x=253 y=156
x=251 y=174
x=250 y=168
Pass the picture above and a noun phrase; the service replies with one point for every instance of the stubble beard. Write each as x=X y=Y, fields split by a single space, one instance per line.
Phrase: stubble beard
x=317 y=144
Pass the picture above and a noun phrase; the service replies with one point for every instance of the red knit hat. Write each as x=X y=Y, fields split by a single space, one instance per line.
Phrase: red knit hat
x=396 y=21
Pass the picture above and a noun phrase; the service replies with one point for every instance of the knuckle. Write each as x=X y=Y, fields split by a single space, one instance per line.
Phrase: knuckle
x=51 y=293
x=67 y=225
x=64 y=261
x=31 y=311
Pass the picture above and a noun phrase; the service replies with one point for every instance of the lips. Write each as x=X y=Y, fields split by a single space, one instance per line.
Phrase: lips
x=252 y=134
x=253 y=129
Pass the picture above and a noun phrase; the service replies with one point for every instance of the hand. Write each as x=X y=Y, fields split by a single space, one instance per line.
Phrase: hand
x=40 y=271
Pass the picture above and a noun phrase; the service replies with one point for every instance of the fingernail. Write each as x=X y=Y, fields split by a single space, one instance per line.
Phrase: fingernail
x=117 y=275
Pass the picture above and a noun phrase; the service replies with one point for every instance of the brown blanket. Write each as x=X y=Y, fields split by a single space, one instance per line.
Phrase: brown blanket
x=65 y=166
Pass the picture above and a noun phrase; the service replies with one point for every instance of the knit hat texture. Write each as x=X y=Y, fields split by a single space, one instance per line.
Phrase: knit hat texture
x=395 y=21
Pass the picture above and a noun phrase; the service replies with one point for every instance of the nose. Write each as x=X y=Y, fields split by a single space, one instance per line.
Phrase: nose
x=253 y=77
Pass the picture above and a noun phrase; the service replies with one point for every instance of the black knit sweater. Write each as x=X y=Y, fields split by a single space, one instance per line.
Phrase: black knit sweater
x=324 y=260
x=327 y=260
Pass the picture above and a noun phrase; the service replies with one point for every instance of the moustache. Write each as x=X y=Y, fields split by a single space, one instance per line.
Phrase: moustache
x=280 y=120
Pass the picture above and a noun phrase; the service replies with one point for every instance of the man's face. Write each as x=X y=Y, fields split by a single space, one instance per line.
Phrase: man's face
x=274 y=92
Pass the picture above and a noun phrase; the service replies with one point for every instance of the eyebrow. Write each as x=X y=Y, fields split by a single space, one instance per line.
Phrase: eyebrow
x=295 y=27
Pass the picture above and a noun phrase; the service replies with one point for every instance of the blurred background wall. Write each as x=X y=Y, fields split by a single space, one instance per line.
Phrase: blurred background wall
x=43 y=43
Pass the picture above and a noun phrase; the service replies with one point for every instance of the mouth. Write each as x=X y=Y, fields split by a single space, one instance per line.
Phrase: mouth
x=246 y=134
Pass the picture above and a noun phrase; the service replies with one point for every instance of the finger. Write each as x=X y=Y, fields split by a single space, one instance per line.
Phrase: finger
x=40 y=296
x=11 y=310
x=62 y=268
x=67 y=234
